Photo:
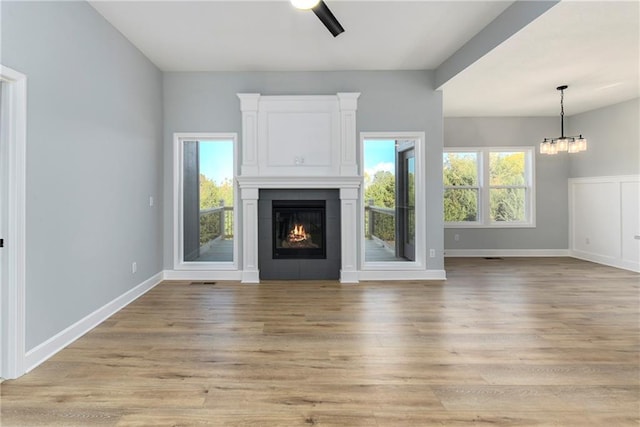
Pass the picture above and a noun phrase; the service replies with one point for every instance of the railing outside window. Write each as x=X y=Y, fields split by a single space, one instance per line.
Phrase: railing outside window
x=380 y=224
x=216 y=223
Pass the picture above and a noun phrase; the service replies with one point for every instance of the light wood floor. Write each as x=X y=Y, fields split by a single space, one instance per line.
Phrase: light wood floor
x=514 y=342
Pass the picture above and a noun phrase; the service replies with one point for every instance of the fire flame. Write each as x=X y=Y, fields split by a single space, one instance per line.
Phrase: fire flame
x=297 y=233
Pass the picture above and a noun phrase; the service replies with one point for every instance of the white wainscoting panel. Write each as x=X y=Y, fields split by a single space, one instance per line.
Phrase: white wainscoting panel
x=604 y=220
x=630 y=220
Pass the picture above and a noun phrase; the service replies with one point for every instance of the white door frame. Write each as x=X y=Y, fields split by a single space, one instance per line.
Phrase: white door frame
x=13 y=133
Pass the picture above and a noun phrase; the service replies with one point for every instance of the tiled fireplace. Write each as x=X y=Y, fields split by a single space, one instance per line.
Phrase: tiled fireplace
x=299 y=234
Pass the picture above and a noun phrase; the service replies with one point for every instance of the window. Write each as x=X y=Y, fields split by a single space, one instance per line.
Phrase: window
x=488 y=187
x=393 y=216
x=205 y=221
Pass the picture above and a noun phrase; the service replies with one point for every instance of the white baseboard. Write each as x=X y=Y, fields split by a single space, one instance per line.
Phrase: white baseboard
x=348 y=276
x=605 y=260
x=250 y=276
x=234 y=275
x=506 y=253
x=47 y=349
x=402 y=275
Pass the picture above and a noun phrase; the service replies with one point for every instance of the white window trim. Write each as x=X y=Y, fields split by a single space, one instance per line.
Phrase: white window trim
x=484 y=188
x=178 y=220
x=420 y=262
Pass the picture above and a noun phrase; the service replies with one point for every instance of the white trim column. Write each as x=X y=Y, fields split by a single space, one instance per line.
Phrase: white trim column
x=12 y=289
x=348 y=102
x=249 y=107
x=349 y=234
x=250 y=272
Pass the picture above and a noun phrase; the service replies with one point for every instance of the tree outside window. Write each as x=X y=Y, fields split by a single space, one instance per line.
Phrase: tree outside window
x=488 y=187
x=460 y=177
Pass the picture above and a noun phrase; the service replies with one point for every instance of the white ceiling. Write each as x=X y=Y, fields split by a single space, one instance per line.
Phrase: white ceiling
x=591 y=46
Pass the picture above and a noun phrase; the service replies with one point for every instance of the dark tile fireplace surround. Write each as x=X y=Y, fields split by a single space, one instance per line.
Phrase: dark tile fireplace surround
x=286 y=255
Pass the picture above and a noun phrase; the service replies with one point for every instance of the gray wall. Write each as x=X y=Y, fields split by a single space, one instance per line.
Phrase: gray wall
x=94 y=156
x=390 y=101
x=613 y=138
x=551 y=182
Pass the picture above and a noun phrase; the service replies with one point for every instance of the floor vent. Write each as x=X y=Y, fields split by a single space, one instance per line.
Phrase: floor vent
x=493 y=257
x=202 y=283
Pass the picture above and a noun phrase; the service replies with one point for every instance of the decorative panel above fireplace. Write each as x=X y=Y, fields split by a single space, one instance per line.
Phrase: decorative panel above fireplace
x=298 y=136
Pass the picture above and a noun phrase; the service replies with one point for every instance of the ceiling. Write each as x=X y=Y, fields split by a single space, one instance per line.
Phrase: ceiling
x=591 y=46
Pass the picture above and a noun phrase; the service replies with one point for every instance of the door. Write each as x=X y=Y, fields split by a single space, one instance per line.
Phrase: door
x=406 y=200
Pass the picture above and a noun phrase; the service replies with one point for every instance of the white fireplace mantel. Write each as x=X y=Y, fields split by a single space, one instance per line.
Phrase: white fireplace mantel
x=299 y=142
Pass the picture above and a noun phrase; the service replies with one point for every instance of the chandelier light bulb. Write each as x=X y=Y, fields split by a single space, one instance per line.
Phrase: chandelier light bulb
x=304 y=4
x=544 y=147
x=563 y=144
x=581 y=143
x=553 y=149
x=573 y=147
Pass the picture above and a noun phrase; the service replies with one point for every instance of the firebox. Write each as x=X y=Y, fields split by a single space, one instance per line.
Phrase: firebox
x=299 y=229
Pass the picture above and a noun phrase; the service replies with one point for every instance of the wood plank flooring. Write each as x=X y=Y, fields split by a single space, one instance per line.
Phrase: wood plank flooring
x=513 y=342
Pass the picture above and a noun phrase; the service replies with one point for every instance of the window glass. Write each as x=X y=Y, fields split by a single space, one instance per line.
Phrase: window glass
x=507 y=168
x=390 y=198
x=508 y=204
x=208 y=201
x=460 y=169
x=460 y=204
x=486 y=187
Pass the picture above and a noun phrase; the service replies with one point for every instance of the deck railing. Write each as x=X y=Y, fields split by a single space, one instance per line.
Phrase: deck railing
x=380 y=223
x=216 y=223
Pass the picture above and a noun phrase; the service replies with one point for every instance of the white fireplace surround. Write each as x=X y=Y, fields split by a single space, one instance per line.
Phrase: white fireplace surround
x=299 y=142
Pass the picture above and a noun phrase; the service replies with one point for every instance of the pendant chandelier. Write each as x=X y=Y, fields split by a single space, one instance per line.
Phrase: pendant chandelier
x=572 y=144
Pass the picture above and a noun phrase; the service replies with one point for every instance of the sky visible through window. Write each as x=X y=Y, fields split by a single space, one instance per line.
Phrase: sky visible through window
x=379 y=155
x=216 y=160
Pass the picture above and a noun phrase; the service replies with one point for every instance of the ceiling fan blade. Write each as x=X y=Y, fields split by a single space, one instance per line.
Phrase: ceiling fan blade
x=328 y=19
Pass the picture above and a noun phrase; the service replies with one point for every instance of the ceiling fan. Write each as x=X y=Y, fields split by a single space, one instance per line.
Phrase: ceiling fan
x=322 y=11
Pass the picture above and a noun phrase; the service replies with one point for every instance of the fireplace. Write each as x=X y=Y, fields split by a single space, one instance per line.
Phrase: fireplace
x=299 y=229
x=299 y=148
x=285 y=251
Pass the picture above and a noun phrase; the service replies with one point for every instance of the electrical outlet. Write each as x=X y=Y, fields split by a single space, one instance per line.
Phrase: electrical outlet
x=587 y=241
x=456 y=237
x=150 y=200
x=134 y=267
x=432 y=253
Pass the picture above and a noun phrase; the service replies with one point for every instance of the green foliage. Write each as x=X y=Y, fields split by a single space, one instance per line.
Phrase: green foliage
x=211 y=193
x=384 y=227
x=460 y=169
x=382 y=190
x=460 y=204
x=507 y=204
x=505 y=169
x=209 y=227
